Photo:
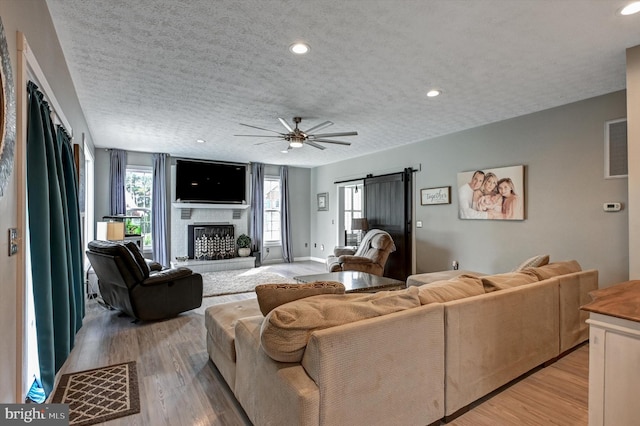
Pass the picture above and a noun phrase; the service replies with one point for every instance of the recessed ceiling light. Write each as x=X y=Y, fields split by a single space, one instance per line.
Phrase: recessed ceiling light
x=299 y=48
x=630 y=9
x=285 y=151
x=200 y=140
x=433 y=93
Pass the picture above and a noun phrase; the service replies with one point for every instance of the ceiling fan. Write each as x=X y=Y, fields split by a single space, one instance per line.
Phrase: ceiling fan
x=298 y=138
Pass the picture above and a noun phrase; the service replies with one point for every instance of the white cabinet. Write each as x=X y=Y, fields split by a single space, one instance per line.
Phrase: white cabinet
x=614 y=355
x=614 y=371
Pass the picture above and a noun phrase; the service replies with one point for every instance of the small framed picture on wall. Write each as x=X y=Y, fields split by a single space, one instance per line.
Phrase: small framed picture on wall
x=323 y=201
x=440 y=195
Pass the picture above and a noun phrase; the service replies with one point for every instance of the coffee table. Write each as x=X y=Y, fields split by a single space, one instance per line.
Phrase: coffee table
x=355 y=281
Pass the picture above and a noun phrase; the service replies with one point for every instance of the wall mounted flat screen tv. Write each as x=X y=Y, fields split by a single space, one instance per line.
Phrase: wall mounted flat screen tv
x=208 y=182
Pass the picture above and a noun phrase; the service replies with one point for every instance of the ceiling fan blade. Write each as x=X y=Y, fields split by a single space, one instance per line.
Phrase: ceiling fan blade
x=260 y=128
x=319 y=126
x=313 y=144
x=285 y=124
x=327 y=141
x=331 y=135
x=262 y=143
x=260 y=136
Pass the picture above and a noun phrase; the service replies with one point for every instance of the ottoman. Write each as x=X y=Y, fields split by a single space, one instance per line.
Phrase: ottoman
x=220 y=321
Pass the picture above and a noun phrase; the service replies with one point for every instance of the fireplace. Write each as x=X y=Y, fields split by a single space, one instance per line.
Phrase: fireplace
x=211 y=241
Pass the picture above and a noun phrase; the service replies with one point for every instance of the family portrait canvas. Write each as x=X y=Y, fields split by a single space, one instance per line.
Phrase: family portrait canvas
x=496 y=193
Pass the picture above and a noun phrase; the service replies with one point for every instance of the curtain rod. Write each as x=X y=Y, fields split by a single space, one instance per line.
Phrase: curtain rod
x=136 y=152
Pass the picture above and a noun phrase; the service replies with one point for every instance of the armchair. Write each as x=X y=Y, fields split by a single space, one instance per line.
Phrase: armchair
x=142 y=289
x=371 y=255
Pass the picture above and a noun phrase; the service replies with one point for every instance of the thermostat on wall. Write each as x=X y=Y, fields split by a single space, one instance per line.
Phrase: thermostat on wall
x=612 y=207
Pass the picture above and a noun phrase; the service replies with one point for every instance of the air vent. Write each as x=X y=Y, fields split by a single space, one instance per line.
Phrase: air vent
x=615 y=149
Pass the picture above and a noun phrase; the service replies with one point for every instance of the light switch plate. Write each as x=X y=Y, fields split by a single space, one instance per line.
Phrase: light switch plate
x=13 y=241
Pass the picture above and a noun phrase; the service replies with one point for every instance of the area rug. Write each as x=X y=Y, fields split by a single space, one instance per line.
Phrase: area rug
x=239 y=281
x=99 y=395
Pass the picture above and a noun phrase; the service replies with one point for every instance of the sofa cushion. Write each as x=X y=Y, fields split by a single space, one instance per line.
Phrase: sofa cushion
x=453 y=289
x=533 y=262
x=286 y=330
x=220 y=322
x=139 y=258
x=430 y=277
x=271 y=296
x=556 y=268
x=508 y=280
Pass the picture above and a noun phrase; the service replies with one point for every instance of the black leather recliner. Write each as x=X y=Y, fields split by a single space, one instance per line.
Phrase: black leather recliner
x=139 y=288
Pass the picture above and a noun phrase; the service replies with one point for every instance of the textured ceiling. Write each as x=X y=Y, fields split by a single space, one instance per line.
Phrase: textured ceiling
x=155 y=75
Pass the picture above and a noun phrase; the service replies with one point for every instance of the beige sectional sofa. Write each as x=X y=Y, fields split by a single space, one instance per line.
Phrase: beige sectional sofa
x=442 y=346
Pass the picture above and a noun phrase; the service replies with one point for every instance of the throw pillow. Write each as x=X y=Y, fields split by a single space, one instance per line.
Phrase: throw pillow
x=139 y=258
x=508 y=280
x=286 y=330
x=533 y=262
x=271 y=296
x=556 y=268
x=453 y=289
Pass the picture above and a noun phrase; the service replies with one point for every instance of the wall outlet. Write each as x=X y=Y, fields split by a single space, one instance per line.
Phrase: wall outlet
x=315 y=245
x=267 y=250
x=306 y=245
x=455 y=265
x=321 y=247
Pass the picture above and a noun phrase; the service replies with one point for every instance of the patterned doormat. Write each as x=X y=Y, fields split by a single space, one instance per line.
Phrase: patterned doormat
x=98 y=395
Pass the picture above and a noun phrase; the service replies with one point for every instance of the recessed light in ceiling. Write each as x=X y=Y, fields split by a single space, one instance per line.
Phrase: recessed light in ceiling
x=200 y=140
x=285 y=151
x=433 y=93
x=299 y=48
x=630 y=9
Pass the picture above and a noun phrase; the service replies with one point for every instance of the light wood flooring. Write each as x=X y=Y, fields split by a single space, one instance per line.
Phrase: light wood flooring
x=179 y=385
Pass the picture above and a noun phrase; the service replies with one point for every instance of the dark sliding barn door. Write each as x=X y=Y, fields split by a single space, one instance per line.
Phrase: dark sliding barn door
x=388 y=205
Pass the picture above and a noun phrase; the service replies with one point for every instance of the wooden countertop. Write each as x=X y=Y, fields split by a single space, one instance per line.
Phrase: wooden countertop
x=620 y=300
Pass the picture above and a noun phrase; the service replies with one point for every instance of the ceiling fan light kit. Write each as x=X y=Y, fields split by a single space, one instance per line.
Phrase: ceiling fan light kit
x=297 y=138
x=299 y=48
x=630 y=9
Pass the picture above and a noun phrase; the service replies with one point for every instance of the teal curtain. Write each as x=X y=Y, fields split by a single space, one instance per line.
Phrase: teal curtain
x=55 y=238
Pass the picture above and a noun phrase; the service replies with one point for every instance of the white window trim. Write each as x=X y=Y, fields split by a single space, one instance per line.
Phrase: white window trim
x=278 y=242
x=142 y=169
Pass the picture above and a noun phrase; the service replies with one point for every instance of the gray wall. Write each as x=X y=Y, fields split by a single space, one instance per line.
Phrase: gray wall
x=563 y=153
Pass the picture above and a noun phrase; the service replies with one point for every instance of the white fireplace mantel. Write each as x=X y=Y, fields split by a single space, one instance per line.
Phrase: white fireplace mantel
x=210 y=206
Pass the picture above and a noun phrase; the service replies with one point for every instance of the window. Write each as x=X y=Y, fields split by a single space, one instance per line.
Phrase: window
x=138 y=189
x=272 y=210
x=352 y=210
